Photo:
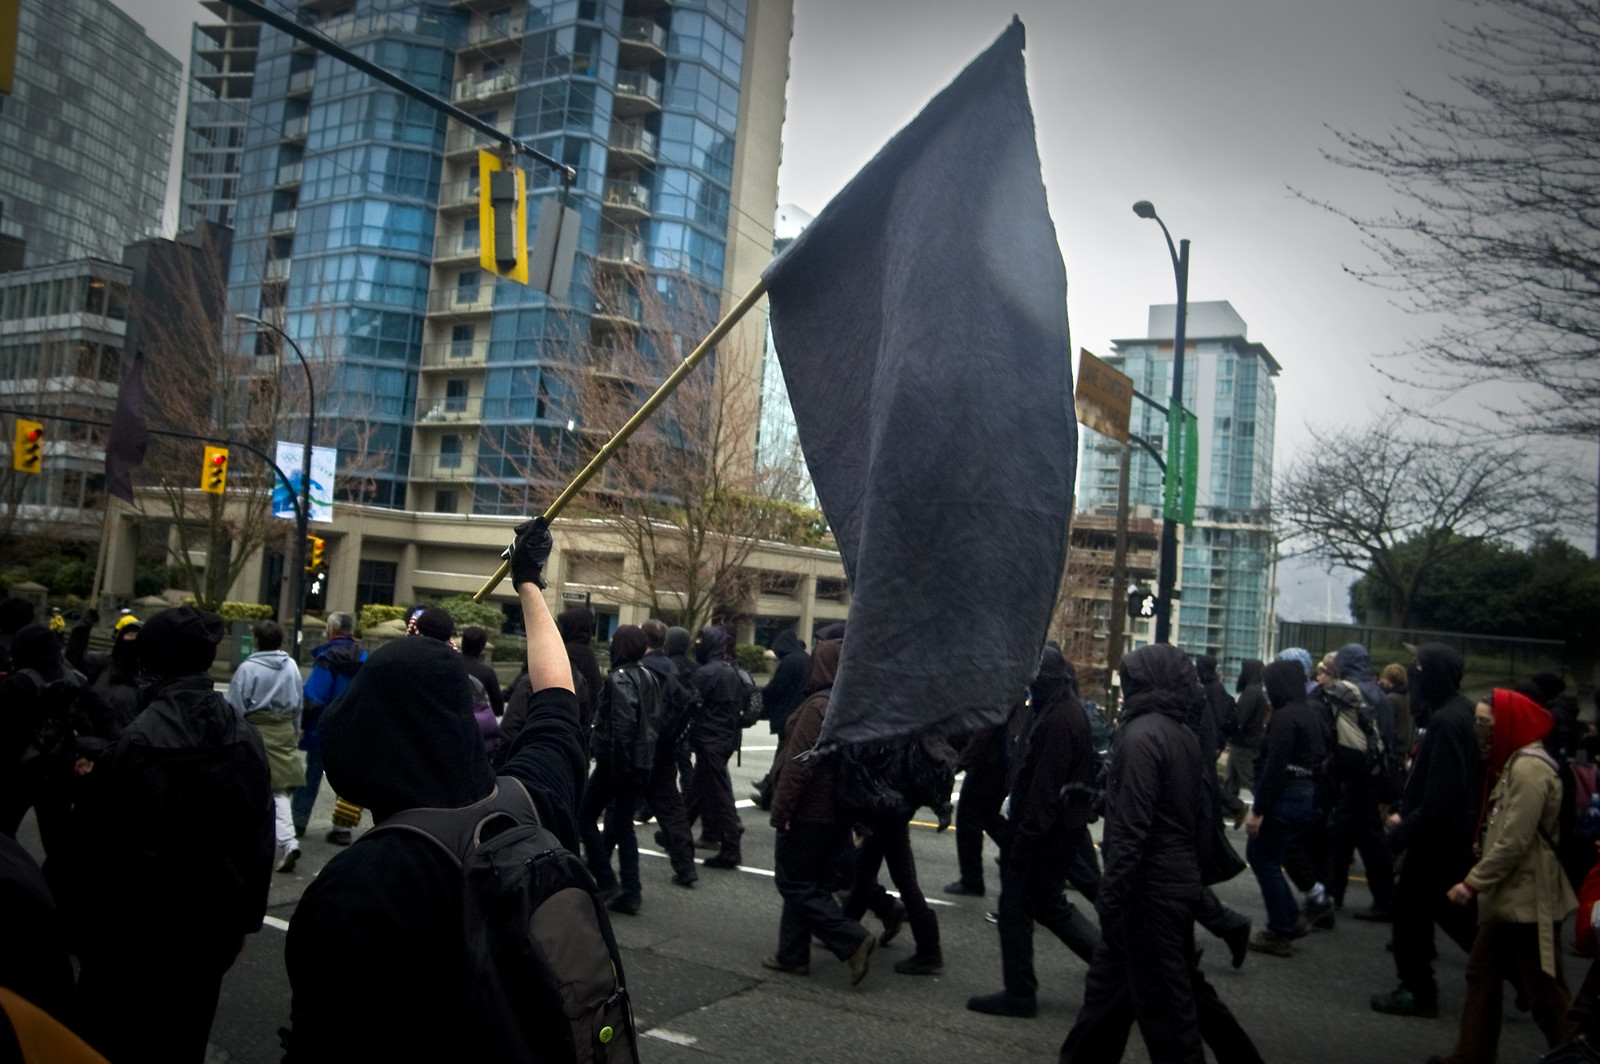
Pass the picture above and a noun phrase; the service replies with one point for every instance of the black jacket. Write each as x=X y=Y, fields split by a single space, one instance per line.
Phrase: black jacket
x=1057 y=754
x=1156 y=804
x=375 y=952
x=1219 y=704
x=782 y=694
x=175 y=821
x=1250 y=716
x=1293 y=738
x=683 y=702
x=1438 y=809
x=484 y=673
x=721 y=695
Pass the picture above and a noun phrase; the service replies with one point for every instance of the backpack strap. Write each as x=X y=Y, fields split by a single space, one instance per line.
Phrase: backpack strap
x=1547 y=759
x=459 y=831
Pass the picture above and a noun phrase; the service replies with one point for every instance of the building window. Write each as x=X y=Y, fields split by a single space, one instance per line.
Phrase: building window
x=450 y=452
x=444 y=502
x=455 y=396
x=461 y=338
x=467 y=283
x=375 y=584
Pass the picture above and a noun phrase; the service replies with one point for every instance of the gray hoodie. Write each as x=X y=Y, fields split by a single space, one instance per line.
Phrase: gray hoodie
x=268 y=680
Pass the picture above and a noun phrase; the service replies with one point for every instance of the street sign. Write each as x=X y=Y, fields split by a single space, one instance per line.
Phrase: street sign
x=1104 y=397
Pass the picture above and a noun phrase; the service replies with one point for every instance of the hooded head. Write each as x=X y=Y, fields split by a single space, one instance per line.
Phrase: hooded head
x=34 y=647
x=1509 y=722
x=1249 y=673
x=576 y=624
x=677 y=642
x=1437 y=678
x=1057 y=679
x=712 y=644
x=125 y=651
x=824 y=665
x=1160 y=679
x=1205 y=667
x=473 y=640
x=402 y=735
x=1549 y=685
x=15 y=613
x=786 y=643
x=628 y=644
x=179 y=642
x=435 y=623
x=1284 y=681
x=832 y=631
x=1299 y=655
x=1353 y=662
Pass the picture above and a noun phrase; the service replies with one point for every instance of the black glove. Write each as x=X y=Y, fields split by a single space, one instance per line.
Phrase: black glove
x=529 y=551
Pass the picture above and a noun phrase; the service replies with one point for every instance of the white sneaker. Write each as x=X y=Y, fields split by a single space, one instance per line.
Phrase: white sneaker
x=289 y=858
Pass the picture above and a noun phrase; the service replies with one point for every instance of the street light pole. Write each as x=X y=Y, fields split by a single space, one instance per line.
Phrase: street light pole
x=1168 y=573
x=303 y=515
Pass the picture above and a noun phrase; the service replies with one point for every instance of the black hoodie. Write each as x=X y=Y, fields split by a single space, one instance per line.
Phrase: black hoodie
x=1156 y=804
x=1353 y=663
x=1439 y=806
x=720 y=690
x=375 y=950
x=1293 y=744
x=782 y=693
x=1250 y=712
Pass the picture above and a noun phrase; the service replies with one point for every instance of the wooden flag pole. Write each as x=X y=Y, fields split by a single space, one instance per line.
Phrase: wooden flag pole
x=668 y=386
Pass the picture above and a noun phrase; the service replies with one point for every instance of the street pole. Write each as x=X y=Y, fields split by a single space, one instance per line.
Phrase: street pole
x=302 y=517
x=1168 y=572
x=1119 y=582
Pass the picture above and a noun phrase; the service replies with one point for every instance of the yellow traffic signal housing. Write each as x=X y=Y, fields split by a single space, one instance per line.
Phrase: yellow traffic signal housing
x=314 y=548
x=214 y=473
x=27 y=453
x=502 y=218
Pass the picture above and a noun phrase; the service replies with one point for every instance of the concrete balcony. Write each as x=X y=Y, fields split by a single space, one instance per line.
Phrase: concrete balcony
x=283 y=221
x=621 y=249
x=642 y=40
x=455 y=355
x=475 y=89
x=444 y=468
x=626 y=199
x=637 y=94
x=300 y=83
x=450 y=410
x=459 y=195
x=634 y=143
x=457 y=303
x=296 y=128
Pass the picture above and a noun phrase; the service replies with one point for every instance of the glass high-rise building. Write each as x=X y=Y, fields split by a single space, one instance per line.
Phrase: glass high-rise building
x=86 y=134
x=1226 y=572
x=356 y=210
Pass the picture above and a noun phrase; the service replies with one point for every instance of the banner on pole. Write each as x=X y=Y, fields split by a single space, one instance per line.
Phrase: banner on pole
x=324 y=461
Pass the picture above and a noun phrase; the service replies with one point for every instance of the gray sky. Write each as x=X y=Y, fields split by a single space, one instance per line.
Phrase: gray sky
x=1212 y=109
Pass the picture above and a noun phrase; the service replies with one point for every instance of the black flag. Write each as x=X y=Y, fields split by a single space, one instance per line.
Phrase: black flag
x=130 y=436
x=921 y=323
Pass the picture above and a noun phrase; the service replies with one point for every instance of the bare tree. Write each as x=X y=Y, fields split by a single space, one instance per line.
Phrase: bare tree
x=688 y=494
x=1499 y=231
x=1396 y=506
x=1082 y=606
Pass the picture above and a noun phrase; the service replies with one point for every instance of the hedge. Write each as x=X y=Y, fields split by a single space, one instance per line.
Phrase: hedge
x=754 y=657
x=374 y=615
x=467 y=613
x=246 y=611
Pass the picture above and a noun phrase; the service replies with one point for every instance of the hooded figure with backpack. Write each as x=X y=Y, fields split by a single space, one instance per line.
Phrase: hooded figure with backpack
x=1247 y=729
x=714 y=737
x=1358 y=773
x=453 y=929
x=627 y=722
x=175 y=824
x=1521 y=891
x=662 y=793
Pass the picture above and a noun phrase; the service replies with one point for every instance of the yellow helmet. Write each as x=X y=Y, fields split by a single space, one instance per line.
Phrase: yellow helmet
x=125 y=620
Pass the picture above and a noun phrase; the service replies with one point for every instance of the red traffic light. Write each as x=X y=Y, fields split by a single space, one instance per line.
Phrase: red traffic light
x=35 y=434
x=219 y=459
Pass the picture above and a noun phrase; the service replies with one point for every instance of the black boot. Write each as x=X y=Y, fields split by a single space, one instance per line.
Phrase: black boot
x=929 y=958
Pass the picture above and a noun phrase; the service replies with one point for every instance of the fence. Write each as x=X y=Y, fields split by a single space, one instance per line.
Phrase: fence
x=1491 y=660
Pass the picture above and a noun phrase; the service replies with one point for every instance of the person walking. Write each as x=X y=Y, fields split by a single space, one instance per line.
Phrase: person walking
x=333 y=665
x=661 y=790
x=983 y=792
x=628 y=719
x=1434 y=829
x=265 y=692
x=1285 y=800
x=473 y=641
x=1522 y=893
x=1247 y=731
x=811 y=837
x=1051 y=810
x=714 y=736
x=781 y=696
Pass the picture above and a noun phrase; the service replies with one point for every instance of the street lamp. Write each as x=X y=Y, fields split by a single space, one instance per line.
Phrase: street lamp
x=303 y=516
x=1169 y=527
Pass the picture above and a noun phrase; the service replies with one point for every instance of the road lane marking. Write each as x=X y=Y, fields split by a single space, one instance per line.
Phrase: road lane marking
x=701 y=860
x=275 y=923
x=671 y=1036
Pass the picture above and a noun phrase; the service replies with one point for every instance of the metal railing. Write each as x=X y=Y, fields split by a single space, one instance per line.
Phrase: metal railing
x=454 y=354
x=458 y=193
x=291 y=173
x=277 y=270
x=455 y=300
x=628 y=307
x=460 y=139
x=451 y=467
x=301 y=81
x=473 y=87
x=449 y=409
x=491 y=32
x=639 y=83
x=296 y=127
x=629 y=195
x=621 y=247
x=457 y=246
x=632 y=138
x=644 y=31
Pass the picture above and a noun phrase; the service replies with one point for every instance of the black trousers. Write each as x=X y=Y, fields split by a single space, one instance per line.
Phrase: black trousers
x=1083 y=871
x=982 y=793
x=1306 y=862
x=1145 y=972
x=613 y=792
x=711 y=794
x=889 y=843
x=666 y=802
x=153 y=998
x=1356 y=826
x=804 y=859
x=1032 y=890
x=1419 y=903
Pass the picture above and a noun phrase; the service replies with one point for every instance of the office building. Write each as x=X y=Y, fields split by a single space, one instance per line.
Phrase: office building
x=1227 y=555
x=86 y=134
x=356 y=212
x=222 y=68
x=778 y=439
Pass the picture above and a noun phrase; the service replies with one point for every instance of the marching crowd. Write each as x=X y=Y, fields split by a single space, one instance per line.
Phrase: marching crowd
x=474 y=918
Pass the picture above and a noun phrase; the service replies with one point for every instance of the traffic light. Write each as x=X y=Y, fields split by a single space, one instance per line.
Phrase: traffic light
x=1141 y=604
x=314 y=546
x=214 y=472
x=27 y=453
x=502 y=218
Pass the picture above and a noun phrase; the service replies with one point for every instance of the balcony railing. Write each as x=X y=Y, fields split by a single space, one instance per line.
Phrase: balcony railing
x=619 y=308
x=627 y=195
x=455 y=354
x=621 y=247
x=459 y=193
x=643 y=31
x=284 y=221
x=296 y=128
x=457 y=246
x=450 y=409
x=301 y=81
x=277 y=270
x=492 y=32
x=451 y=467
x=473 y=87
x=291 y=173
x=455 y=300
x=634 y=140
x=639 y=83
x=460 y=139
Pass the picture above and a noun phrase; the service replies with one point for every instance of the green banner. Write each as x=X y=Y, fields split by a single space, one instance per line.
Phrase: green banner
x=1171 y=502
x=1183 y=466
x=1191 y=466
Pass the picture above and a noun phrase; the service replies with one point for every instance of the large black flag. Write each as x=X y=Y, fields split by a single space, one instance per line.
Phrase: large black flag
x=921 y=323
x=130 y=436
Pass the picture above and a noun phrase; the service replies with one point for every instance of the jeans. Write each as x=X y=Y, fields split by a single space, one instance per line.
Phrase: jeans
x=1296 y=806
x=889 y=843
x=305 y=798
x=804 y=858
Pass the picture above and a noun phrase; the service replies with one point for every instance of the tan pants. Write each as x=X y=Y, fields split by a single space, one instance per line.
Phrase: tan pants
x=1504 y=952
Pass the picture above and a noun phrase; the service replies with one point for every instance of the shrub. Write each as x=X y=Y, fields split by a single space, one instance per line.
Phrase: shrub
x=753 y=657
x=374 y=615
x=509 y=648
x=245 y=611
x=467 y=613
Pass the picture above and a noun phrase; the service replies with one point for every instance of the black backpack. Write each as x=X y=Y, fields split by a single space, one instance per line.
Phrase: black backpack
x=540 y=963
x=53 y=734
x=751 y=707
x=629 y=729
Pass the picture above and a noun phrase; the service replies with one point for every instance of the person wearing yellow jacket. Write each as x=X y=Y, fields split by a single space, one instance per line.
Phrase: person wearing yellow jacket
x=1522 y=893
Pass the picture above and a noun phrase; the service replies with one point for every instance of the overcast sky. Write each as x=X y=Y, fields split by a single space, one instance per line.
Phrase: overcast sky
x=1211 y=109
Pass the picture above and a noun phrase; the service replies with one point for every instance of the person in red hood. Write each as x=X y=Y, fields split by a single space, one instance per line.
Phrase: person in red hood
x=1522 y=893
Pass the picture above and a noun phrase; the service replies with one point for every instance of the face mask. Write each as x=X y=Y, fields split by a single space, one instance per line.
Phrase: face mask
x=1484 y=729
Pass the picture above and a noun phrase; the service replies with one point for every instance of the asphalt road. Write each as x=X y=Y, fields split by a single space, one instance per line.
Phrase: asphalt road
x=700 y=993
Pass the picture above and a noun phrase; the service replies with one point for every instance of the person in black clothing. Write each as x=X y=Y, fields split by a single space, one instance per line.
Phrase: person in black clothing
x=983 y=792
x=1248 y=727
x=577 y=625
x=678 y=645
x=1434 y=829
x=781 y=697
x=111 y=700
x=374 y=950
x=661 y=793
x=473 y=640
x=714 y=736
x=37 y=745
x=175 y=824
x=1356 y=823
x=15 y=614
x=622 y=766
x=1049 y=818
x=1285 y=800
x=34 y=963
